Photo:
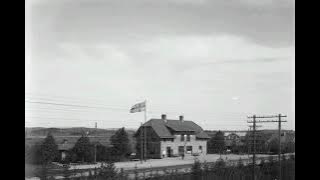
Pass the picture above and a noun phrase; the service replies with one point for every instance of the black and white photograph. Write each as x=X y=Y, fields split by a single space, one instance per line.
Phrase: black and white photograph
x=160 y=89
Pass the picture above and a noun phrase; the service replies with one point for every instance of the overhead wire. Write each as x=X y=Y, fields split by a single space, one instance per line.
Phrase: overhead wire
x=90 y=108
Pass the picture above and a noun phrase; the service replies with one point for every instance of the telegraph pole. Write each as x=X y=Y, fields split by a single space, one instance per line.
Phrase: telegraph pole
x=254 y=147
x=279 y=116
x=279 y=153
x=95 y=146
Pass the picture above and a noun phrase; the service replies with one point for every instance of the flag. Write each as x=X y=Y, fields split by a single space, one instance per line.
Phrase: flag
x=138 y=107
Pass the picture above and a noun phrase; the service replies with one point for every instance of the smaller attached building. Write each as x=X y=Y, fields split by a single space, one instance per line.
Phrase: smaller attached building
x=168 y=138
x=64 y=148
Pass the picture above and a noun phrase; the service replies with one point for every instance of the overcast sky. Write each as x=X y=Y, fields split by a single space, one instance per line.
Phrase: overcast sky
x=213 y=61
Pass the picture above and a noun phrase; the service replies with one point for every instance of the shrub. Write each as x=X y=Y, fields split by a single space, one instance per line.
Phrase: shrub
x=108 y=171
x=196 y=170
x=240 y=164
x=292 y=157
x=220 y=163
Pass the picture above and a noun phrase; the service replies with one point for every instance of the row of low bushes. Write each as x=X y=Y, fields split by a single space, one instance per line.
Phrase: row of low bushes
x=266 y=170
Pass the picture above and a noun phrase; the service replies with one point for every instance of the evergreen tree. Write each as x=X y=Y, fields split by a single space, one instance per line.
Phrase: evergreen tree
x=83 y=149
x=103 y=153
x=216 y=144
x=49 y=150
x=120 y=142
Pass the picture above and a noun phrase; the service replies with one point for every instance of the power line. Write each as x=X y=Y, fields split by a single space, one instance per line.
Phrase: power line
x=73 y=105
x=103 y=107
x=279 y=116
x=170 y=111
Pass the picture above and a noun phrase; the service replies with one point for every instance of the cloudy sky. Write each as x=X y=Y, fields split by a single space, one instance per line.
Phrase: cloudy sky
x=213 y=61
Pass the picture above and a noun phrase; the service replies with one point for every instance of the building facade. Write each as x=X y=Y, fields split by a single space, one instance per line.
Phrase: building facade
x=161 y=138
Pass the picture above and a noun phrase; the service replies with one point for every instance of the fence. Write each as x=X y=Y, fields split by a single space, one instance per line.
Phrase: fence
x=266 y=169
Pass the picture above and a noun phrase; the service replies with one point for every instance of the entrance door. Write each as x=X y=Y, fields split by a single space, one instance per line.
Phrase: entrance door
x=168 y=151
x=181 y=150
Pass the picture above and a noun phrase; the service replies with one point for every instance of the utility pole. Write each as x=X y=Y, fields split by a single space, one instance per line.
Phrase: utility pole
x=279 y=153
x=248 y=142
x=279 y=116
x=95 y=145
x=254 y=147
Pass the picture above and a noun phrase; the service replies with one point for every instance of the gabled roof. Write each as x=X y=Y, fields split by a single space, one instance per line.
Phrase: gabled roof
x=162 y=128
x=181 y=125
x=65 y=147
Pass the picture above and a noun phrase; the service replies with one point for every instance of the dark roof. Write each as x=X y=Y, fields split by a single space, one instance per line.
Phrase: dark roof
x=65 y=146
x=228 y=142
x=181 y=125
x=162 y=128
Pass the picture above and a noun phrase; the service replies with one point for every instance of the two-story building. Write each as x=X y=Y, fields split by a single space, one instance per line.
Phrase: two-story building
x=167 y=138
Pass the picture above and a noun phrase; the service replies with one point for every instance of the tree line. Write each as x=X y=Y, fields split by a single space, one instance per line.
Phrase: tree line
x=217 y=144
x=47 y=151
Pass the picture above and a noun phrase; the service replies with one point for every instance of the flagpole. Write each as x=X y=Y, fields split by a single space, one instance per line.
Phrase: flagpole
x=145 y=130
x=141 y=143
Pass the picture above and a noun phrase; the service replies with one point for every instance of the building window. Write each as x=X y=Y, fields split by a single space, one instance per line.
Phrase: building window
x=182 y=137
x=188 y=137
x=200 y=149
x=189 y=149
x=181 y=150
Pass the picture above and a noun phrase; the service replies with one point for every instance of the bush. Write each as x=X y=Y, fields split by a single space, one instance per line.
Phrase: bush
x=122 y=175
x=136 y=175
x=108 y=171
x=220 y=163
x=292 y=157
x=196 y=170
x=206 y=167
x=240 y=164
x=66 y=172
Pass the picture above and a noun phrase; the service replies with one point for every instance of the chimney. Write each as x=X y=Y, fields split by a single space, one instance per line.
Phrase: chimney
x=181 y=118
x=164 y=117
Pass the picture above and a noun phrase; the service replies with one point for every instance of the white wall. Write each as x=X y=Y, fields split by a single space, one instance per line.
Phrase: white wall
x=177 y=142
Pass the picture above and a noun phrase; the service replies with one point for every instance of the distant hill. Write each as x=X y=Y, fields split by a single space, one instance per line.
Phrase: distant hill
x=36 y=135
x=75 y=131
